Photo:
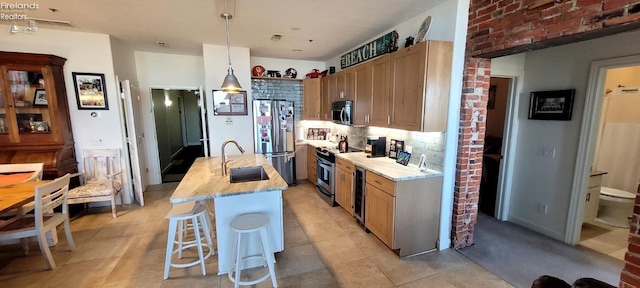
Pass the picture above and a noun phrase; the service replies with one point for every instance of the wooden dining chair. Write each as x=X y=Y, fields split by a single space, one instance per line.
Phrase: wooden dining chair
x=47 y=197
x=101 y=179
x=16 y=173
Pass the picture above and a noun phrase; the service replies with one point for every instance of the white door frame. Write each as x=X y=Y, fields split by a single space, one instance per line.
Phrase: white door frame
x=587 y=141
x=153 y=163
x=133 y=140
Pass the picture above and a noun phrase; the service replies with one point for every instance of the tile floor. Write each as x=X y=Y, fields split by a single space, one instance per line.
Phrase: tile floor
x=323 y=248
x=606 y=239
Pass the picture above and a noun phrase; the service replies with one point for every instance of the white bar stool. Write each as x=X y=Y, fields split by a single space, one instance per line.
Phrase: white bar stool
x=199 y=216
x=244 y=225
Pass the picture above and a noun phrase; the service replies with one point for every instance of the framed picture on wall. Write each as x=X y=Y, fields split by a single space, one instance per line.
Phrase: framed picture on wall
x=229 y=103
x=551 y=105
x=90 y=91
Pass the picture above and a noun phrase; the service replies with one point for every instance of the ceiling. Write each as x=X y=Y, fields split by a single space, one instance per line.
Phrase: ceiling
x=325 y=28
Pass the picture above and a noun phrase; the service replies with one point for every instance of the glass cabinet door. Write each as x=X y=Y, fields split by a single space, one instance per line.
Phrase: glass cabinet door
x=30 y=101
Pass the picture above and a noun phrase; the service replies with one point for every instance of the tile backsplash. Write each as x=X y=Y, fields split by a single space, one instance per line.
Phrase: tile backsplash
x=429 y=143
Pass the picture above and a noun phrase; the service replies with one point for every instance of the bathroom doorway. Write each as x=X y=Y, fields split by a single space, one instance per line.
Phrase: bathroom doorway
x=615 y=173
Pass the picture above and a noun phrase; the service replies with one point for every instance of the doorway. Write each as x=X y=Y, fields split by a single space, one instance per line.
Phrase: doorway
x=178 y=131
x=615 y=175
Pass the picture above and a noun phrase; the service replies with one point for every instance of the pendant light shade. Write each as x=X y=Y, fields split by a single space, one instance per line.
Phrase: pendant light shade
x=230 y=83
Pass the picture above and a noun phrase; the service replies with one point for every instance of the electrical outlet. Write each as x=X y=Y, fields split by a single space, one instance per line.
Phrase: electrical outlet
x=228 y=121
x=549 y=152
x=543 y=208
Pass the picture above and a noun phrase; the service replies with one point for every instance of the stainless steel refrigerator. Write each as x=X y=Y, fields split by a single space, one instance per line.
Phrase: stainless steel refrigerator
x=274 y=126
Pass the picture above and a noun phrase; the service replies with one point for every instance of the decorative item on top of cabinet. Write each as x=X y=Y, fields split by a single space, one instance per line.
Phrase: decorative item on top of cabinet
x=35 y=133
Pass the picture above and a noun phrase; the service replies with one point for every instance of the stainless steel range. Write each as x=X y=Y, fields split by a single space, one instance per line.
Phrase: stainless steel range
x=326 y=167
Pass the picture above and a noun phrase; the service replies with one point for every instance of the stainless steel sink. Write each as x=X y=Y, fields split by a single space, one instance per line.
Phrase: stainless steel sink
x=247 y=174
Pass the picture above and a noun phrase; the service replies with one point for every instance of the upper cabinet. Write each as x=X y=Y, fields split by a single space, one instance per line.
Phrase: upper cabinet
x=380 y=93
x=34 y=113
x=421 y=77
x=312 y=99
x=362 y=94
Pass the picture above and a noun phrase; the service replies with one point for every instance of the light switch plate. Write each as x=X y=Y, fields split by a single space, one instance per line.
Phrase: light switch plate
x=229 y=121
x=549 y=152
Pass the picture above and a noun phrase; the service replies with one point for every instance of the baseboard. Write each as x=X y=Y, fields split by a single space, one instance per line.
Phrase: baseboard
x=533 y=227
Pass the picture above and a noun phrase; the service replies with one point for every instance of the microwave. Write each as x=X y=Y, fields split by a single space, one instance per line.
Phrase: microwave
x=341 y=112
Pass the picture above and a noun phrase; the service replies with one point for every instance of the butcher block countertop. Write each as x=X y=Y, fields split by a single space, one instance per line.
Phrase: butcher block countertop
x=204 y=179
x=387 y=167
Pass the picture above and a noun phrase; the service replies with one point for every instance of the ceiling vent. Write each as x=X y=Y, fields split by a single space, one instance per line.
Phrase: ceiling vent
x=58 y=23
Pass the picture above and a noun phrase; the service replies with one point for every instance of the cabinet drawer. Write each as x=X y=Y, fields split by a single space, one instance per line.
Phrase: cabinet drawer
x=345 y=165
x=381 y=183
x=595 y=181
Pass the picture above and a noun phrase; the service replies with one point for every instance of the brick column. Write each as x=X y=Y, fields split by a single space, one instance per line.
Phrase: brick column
x=473 y=112
x=630 y=276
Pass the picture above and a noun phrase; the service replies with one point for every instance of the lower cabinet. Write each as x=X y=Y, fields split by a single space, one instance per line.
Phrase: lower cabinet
x=344 y=184
x=312 y=159
x=404 y=215
x=301 y=162
x=592 y=198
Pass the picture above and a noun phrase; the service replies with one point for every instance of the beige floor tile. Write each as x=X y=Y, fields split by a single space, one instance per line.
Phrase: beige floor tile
x=324 y=230
x=147 y=281
x=313 y=279
x=101 y=249
x=294 y=236
x=338 y=251
x=473 y=276
x=435 y=281
x=116 y=230
x=83 y=274
x=90 y=220
x=297 y=260
x=368 y=243
x=619 y=254
x=151 y=265
x=35 y=260
x=360 y=273
x=26 y=279
x=444 y=260
x=133 y=213
x=401 y=271
x=143 y=244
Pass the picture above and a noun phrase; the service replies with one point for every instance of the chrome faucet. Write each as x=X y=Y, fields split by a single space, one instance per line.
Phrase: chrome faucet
x=224 y=158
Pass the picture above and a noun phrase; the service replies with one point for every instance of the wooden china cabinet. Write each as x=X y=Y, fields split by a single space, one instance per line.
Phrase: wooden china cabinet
x=34 y=113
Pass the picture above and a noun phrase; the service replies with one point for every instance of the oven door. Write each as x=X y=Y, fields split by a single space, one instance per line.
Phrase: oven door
x=325 y=175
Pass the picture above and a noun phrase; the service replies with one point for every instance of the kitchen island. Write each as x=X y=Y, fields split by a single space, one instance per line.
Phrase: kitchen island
x=204 y=181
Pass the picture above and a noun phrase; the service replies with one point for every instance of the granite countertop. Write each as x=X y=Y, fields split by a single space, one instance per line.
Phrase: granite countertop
x=204 y=179
x=597 y=173
x=387 y=167
x=316 y=143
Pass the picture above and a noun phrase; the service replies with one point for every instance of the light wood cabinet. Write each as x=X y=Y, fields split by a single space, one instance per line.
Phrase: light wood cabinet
x=312 y=99
x=312 y=175
x=328 y=90
x=592 y=198
x=405 y=215
x=362 y=93
x=34 y=113
x=421 y=75
x=345 y=85
x=380 y=97
x=344 y=184
x=301 y=162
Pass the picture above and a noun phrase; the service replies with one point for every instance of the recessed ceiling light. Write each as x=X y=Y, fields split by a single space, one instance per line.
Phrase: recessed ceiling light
x=276 y=37
x=295 y=28
x=162 y=43
x=297 y=50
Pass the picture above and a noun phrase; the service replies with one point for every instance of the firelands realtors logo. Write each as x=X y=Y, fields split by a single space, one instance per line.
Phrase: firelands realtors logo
x=15 y=11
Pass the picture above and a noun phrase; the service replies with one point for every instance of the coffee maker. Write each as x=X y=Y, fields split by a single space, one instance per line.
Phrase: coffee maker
x=376 y=146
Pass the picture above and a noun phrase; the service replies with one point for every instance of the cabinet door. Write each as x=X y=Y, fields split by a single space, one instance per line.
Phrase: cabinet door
x=380 y=98
x=379 y=214
x=312 y=99
x=345 y=85
x=311 y=164
x=28 y=110
x=325 y=109
x=407 y=87
x=362 y=94
x=344 y=190
x=437 y=83
x=301 y=162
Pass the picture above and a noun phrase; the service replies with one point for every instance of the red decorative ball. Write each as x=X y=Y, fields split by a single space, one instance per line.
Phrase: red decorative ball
x=257 y=71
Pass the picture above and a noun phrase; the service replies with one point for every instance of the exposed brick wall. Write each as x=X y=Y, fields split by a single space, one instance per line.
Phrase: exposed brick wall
x=504 y=27
x=279 y=89
x=631 y=273
x=473 y=112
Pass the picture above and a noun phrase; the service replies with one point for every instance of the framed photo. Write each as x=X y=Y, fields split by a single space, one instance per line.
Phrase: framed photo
x=91 y=92
x=40 y=98
x=491 y=104
x=403 y=158
x=229 y=103
x=551 y=105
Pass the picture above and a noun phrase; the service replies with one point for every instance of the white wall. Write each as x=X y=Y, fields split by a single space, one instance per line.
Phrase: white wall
x=442 y=28
x=156 y=70
x=303 y=67
x=221 y=128
x=85 y=52
x=543 y=180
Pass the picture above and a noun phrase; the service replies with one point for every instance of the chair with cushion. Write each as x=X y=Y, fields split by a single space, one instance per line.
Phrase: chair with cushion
x=16 y=173
x=101 y=179
x=47 y=197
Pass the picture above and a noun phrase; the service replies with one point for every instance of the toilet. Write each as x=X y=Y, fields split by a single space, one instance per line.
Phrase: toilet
x=615 y=207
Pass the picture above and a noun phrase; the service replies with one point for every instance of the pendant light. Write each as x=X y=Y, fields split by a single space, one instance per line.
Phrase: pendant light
x=230 y=83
